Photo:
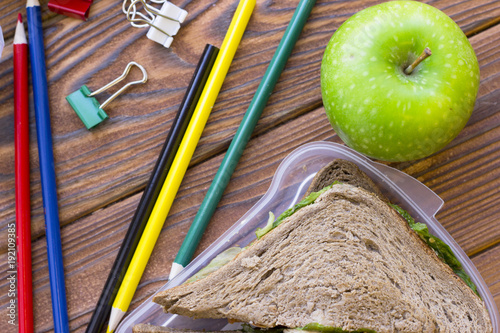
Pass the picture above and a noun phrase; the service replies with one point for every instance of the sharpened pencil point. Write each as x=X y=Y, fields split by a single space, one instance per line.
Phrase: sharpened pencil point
x=114 y=319
x=175 y=270
x=20 y=34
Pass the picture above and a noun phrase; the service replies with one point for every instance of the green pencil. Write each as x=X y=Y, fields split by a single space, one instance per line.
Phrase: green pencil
x=242 y=136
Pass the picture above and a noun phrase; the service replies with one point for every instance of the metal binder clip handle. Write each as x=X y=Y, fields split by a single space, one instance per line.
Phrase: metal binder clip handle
x=118 y=79
x=131 y=12
x=164 y=23
x=86 y=105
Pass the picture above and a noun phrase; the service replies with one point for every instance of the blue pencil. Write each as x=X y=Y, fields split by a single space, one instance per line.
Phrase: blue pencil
x=47 y=171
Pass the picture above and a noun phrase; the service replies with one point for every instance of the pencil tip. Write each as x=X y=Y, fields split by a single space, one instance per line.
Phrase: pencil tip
x=20 y=34
x=114 y=319
x=175 y=270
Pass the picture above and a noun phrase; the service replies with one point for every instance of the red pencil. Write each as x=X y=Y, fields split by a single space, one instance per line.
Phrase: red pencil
x=22 y=162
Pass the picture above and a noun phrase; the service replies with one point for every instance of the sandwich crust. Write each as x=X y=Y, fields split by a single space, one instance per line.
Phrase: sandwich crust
x=346 y=172
x=146 y=328
x=346 y=261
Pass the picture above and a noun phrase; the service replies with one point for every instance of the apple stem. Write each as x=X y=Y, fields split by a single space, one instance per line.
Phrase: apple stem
x=427 y=52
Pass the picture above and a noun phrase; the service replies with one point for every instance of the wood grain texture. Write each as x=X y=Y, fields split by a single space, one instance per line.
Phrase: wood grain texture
x=101 y=174
x=113 y=161
x=487 y=264
x=91 y=243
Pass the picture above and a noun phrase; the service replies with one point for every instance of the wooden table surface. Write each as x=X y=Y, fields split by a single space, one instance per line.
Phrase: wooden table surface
x=101 y=173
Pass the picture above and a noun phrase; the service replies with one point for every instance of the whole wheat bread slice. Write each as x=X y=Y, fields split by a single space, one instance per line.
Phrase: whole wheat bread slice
x=343 y=171
x=146 y=328
x=347 y=261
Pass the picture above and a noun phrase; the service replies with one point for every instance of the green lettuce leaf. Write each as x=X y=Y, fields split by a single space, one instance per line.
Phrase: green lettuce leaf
x=289 y=212
x=321 y=328
x=442 y=249
x=220 y=260
x=262 y=231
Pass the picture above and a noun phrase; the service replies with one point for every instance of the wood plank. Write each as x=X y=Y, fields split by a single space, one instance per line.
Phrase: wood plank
x=89 y=249
x=89 y=252
x=487 y=263
x=473 y=16
x=113 y=161
x=91 y=243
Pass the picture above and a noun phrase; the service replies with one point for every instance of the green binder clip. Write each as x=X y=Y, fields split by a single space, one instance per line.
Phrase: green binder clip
x=86 y=105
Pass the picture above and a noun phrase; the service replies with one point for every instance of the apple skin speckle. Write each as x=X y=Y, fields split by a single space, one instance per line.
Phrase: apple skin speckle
x=421 y=112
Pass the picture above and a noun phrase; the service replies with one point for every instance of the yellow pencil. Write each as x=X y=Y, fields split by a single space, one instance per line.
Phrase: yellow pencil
x=181 y=162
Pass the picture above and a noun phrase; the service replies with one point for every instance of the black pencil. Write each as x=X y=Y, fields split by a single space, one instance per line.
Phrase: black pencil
x=148 y=199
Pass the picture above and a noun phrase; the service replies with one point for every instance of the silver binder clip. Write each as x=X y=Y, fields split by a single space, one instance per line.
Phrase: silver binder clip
x=164 y=23
x=87 y=107
x=119 y=79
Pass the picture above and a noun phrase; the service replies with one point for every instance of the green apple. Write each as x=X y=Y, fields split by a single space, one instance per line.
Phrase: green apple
x=378 y=109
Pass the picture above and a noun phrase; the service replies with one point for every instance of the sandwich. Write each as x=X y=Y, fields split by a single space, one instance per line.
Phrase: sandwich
x=146 y=328
x=342 y=260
